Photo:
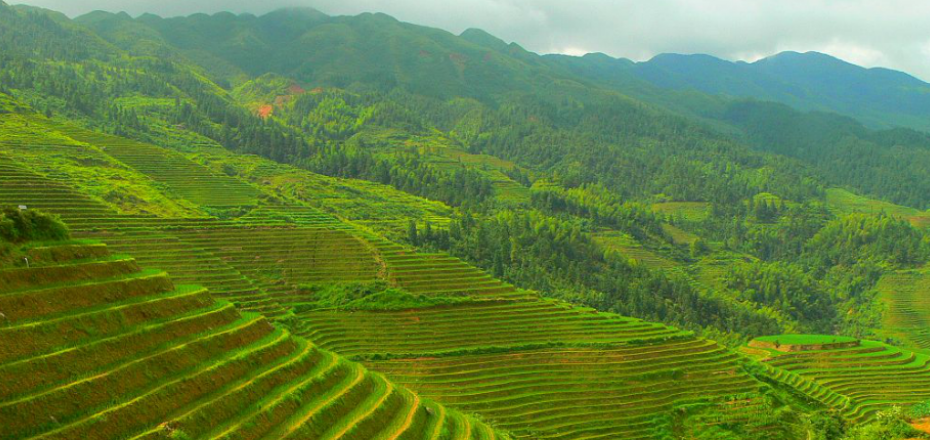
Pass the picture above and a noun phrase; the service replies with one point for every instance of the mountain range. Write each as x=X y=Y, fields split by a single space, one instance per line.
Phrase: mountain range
x=398 y=232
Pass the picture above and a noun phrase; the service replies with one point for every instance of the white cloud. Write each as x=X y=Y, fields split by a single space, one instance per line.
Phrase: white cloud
x=568 y=50
x=889 y=33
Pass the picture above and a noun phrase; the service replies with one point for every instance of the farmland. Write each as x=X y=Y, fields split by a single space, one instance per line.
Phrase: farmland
x=100 y=348
x=907 y=315
x=304 y=226
x=260 y=260
x=858 y=378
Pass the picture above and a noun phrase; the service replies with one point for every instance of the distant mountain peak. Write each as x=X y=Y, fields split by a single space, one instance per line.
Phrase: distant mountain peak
x=482 y=38
x=810 y=57
x=301 y=11
x=690 y=57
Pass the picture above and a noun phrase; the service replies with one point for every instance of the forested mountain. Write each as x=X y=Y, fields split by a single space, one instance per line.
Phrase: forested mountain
x=484 y=126
x=725 y=200
x=811 y=81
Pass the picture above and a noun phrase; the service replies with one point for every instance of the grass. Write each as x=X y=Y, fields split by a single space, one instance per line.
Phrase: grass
x=56 y=161
x=907 y=307
x=858 y=380
x=632 y=249
x=85 y=363
x=157 y=360
x=843 y=201
x=379 y=207
x=690 y=211
x=806 y=339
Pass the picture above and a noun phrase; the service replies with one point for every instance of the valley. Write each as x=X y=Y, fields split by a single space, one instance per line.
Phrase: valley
x=298 y=225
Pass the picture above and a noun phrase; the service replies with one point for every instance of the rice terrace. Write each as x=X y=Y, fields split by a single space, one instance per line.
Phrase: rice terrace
x=225 y=220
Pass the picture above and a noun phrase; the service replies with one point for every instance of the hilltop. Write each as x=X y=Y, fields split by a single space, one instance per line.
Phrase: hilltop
x=552 y=253
x=811 y=81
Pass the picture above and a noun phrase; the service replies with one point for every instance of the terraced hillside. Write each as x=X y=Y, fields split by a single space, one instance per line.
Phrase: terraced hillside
x=438 y=274
x=537 y=367
x=185 y=178
x=148 y=237
x=906 y=295
x=22 y=187
x=280 y=259
x=93 y=347
x=510 y=324
x=633 y=250
x=544 y=369
x=858 y=378
x=541 y=368
x=373 y=206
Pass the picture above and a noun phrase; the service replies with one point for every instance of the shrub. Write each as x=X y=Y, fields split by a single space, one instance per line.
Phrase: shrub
x=889 y=425
x=23 y=225
x=368 y=296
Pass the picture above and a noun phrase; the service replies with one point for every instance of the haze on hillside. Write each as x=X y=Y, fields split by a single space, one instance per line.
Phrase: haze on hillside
x=307 y=225
x=872 y=33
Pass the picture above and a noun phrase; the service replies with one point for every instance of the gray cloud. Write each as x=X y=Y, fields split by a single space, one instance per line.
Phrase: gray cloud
x=886 y=33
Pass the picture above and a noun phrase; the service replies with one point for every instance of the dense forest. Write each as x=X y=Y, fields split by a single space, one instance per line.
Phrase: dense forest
x=629 y=188
x=581 y=157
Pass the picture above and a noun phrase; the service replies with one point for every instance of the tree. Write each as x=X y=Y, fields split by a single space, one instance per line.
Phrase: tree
x=698 y=248
x=412 y=235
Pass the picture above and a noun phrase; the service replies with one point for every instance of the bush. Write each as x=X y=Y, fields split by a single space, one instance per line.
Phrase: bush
x=889 y=425
x=24 y=225
x=368 y=296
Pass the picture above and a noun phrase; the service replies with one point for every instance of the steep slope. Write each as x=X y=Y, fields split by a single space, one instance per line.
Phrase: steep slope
x=878 y=97
x=304 y=44
x=525 y=171
x=270 y=265
x=907 y=316
x=859 y=378
x=94 y=347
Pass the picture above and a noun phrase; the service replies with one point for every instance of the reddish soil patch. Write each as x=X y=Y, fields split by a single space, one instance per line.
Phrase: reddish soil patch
x=295 y=89
x=265 y=111
x=919 y=221
x=922 y=425
x=457 y=57
x=425 y=53
x=787 y=348
x=317 y=90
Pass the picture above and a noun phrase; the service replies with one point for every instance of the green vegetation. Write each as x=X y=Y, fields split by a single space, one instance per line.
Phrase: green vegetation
x=18 y=225
x=805 y=339
x=368 y=296
x=98 y=357
x=859 y=380
x=906 y=308
x=497 y=233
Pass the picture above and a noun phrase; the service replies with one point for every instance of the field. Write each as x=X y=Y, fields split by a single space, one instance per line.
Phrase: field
x=906 y=297
x=94 y=347
x=690 y=211
x=445 y=154
x=844 y=201
x=858 y=379
x=259 y=257
x=255 y=235
x=632 y=249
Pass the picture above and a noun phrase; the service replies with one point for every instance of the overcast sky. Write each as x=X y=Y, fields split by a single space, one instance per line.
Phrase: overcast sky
x=886 y=33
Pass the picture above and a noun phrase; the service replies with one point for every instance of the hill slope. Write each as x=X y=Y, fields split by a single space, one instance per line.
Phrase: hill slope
x=273 y=258
x=94 y=347
x=536 y=178
x=880 y=98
